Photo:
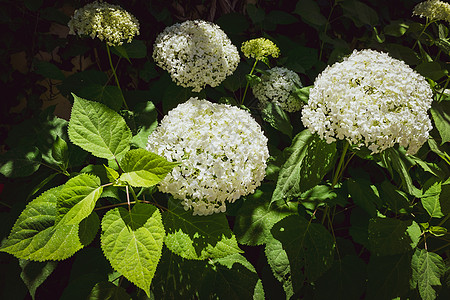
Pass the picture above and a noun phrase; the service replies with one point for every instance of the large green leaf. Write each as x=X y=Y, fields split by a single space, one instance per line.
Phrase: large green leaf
x=197 y=237
x=308 y=159
x=279 y=264
x=388 y=236
x=345 y=280
x=388 y=276
x=143 y=168
x=427 y=270
x=309 y=10
x=363 y=195
x=309 y=246
x=277 y=118
x=431 y=200
x=146 y=121
x=132 y=242
x=98 y=129
x=256 y=216
x=231 y=277
x=20 y=162
x=35 y=273
x=77 y=199
x=109 y=95
x=360 y=13
x=34 y=236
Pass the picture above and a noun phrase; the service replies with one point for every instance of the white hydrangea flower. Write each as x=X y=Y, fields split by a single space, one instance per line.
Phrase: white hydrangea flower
x=370 y=99
x=222 y=153
x=196 y=53
x=277 y=86
x=106 y=21
x=433 y=9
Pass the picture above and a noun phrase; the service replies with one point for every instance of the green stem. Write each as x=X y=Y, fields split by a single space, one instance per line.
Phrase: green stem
x=246 y=87
x=325 y=31
x=443 y=90
x=423 y=30
x=5 y=204
x=339 y=170
x=115 y=76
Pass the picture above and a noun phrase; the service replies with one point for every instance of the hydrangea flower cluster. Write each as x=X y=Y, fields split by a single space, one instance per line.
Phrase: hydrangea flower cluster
x=260 y=48
x=434 y=10
x=106 y=21
x=196 y=53
x=277 y=85
x=370 y=99
x=222 y=153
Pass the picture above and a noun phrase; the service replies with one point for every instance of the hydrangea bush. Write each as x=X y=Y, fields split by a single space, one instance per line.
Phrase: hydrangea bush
x=312 y=162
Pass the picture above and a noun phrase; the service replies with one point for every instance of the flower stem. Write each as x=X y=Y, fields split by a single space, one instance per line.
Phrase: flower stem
x=115 y=76
x=339 y=170
x=246 y=86
x=423 y=30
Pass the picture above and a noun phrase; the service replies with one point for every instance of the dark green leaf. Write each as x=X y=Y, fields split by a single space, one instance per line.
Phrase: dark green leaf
x=388 y=276
x=310 y=12
x=107 y=94
x=60 y=153
x=392 y=236
x=277 y=118
x=233 y=23
x=396 y=28
x=35 y=273
x=309 y=246
x=360 y=13
x=134 y=49
x=48 y=70
x=20 y=162
x=281 y=17
x=106 y=291
x=431 y=70
x=396 y=200
x=256 y=14
x=197 y=237
x=256 y=217
x=279 y=264
x=308 y=159
x=363 y=195
x=440 y=111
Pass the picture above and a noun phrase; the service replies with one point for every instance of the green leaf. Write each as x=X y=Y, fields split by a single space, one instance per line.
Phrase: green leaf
x=98 y=129
x=396 y=200
x=146 y=119
x=302 y=93
x=388 y=276
x=440 y=111
x=309 y=246
x=256 y=14
x=105 y=94
x=252 y=79
x=279 y=264
x=430 y=200
x=48 y=70
x=143 y=168
x=35 y=273
x=134 y=49
x=107 y=290
x=197 y=237
x=132 y=242
x=301 y=59
x=396 y=28
x=280 y=17
x=60 y=153
x=34 y=236
x=308 y=159
x=438 y=230
x=345 y=280
x=389 y=236
x=277 y=118
x=363 y=195
x=427 y=270
x=231 y=277
x=360 y=13
x=77 y=199
x=111 y=174
x=431 y=70
x=395 y=160
x=20 y=162
x=256 y=217
x=310 y=12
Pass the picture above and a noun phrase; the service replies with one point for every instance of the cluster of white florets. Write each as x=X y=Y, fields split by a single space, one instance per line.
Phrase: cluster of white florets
x=434 y=10
x=370 y=99
x=222 y=153
x=196 y=53
x=108 y=22
x=277 y=85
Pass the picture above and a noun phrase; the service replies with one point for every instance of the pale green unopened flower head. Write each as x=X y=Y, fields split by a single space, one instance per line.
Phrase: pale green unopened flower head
x=260 y=48
x=434 y=10
x=370 y=99
x=222 y=153
x=108 y=22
